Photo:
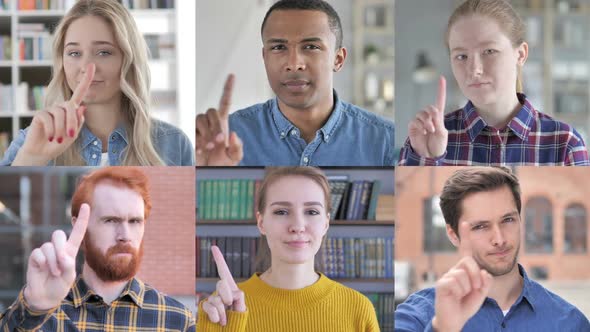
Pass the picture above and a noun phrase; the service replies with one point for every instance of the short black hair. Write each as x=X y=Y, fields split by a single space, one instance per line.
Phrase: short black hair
x=319 y=5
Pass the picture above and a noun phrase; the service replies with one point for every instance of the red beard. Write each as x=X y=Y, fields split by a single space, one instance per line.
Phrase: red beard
x=109 y=268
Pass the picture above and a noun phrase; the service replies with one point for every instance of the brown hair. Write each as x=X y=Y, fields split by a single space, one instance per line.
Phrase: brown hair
x=503 y=13
x=276 y=173
x=263 y=257
x=121 y=176
x=471 y=180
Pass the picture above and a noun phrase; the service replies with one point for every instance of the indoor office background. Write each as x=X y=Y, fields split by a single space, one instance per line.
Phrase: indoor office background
x=556 y=74
x=34 y=202
x=554 y=238
x=365 y=80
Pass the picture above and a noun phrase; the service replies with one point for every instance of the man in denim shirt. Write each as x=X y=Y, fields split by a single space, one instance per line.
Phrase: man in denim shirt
x=306 y=124
x=486 y=290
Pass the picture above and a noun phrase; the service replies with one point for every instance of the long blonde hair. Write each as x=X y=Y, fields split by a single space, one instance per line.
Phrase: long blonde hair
x=134 y=80
x=503 y=13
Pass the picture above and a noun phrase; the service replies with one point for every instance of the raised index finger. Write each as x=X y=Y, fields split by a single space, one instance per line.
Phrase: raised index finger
x=441 y=99
x=222 y=267
x=84 y=85
x=225 y=102
x=80 y=226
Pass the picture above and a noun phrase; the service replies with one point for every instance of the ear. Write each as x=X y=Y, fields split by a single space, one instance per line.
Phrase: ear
x=453 y=236
x=339 y=59
x=523 y=53
x=259 y=223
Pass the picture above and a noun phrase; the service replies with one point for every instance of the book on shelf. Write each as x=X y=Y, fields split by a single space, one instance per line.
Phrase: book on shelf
x=236 y=199
x=384 y=304
x=6 y=98
x=34 y=41
x=6 y=42
x=161 y=46
x=45 y=4
x=5 y=5
x=4 y=142
x=339 y=257
x=148 y=4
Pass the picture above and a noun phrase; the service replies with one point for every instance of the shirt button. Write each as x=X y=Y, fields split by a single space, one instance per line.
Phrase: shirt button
x=282 y=134
x=95 y=142
x=293 y=132
x=305 y=160
x=112 y=138
x=327 y=137
x=503 y=325
x=94 y=156
x=115 y=151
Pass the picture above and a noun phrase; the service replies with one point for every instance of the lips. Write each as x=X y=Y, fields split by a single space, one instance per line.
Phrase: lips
x=295 y=85
x=501 y=253
x=478 y=84
x=298 y=243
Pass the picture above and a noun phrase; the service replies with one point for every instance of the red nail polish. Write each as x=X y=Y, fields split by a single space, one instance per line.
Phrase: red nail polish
x=71 y=132
x=59 y=140
x=51 y=139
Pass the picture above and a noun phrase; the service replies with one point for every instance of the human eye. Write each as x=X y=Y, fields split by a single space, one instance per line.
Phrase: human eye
x=281 y=212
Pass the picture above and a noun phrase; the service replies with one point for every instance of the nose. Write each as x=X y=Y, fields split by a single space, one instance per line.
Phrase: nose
x=476 y=66
x=297 y=223
x=123 y=232
x=498 y=238
x=295 y=61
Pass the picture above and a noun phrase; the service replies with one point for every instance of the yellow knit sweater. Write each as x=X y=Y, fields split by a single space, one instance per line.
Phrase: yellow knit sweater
x=324 y=306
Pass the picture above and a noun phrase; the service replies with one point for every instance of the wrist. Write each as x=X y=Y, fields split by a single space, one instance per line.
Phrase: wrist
x=34 y=304
x=26 y=159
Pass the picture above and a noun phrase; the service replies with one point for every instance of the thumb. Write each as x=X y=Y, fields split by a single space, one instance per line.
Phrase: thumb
x=235 y=150
x=239 y=304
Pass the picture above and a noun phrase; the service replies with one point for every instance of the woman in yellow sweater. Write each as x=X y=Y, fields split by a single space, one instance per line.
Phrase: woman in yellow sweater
x=293 y=214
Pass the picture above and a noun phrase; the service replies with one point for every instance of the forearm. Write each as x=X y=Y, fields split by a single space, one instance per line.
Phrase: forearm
x=19 y=316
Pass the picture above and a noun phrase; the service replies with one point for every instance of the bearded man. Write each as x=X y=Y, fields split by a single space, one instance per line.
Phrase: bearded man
x=112 y=206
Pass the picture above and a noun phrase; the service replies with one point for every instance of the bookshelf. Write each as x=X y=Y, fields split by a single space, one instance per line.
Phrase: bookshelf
x=238 y=237
x=159 y=26
x=373 y=47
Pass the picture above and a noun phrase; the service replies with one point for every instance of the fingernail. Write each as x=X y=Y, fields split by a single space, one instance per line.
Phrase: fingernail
x=51 y=139
x=220 y=137
x=59 y=140
x=71 y=132
x=209 y=146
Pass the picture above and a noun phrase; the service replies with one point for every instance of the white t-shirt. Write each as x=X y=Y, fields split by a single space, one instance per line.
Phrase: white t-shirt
x=104 y=161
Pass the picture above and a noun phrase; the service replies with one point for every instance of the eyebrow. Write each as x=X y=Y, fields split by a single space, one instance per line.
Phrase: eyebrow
x=485 y=43
x=291 y=204
x=103 y=218
x=283 y=41
x=478 y=222
x=98 y=42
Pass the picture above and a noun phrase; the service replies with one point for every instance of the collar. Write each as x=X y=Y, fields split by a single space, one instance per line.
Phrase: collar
x=527 y=289
x=87 y=137
x=80 y=292
x=284 y=126
x=520 y=124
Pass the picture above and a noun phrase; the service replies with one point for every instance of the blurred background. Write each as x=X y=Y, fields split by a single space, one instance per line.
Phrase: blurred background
x=556 y=75
x=229 y=41
x=34 y=202
x=555 y=236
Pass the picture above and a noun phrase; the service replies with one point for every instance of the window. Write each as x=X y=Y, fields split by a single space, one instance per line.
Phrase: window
x=575 y=229
x=538 y=225
x=435 y=228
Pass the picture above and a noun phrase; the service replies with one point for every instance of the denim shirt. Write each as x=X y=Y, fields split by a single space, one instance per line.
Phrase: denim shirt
x=172 y=145
x=350 y=137
x=535 y=310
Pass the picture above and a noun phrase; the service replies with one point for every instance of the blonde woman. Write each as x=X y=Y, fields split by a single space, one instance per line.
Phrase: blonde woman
x=97 y=105
x=290 y=295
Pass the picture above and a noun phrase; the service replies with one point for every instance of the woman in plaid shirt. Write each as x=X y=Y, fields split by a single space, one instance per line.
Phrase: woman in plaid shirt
x=498 y=126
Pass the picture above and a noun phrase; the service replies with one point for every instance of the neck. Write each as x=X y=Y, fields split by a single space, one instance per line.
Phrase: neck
x=103 y=118
x=290 y=276
x=500 y=113
x=309 y=120
x=507 y=288
x=108 y=290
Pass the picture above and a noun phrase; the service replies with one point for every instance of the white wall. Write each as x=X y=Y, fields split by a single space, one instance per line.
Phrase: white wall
x=228 y=41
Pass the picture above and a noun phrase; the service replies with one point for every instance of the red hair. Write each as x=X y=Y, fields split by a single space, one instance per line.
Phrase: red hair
x=120 y=176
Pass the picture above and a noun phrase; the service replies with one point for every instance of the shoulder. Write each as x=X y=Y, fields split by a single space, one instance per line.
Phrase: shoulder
x=163 y=301
x=553 y=303
x=161 y=128
x=368 y=118
x=251 y=112
x=547 y=124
